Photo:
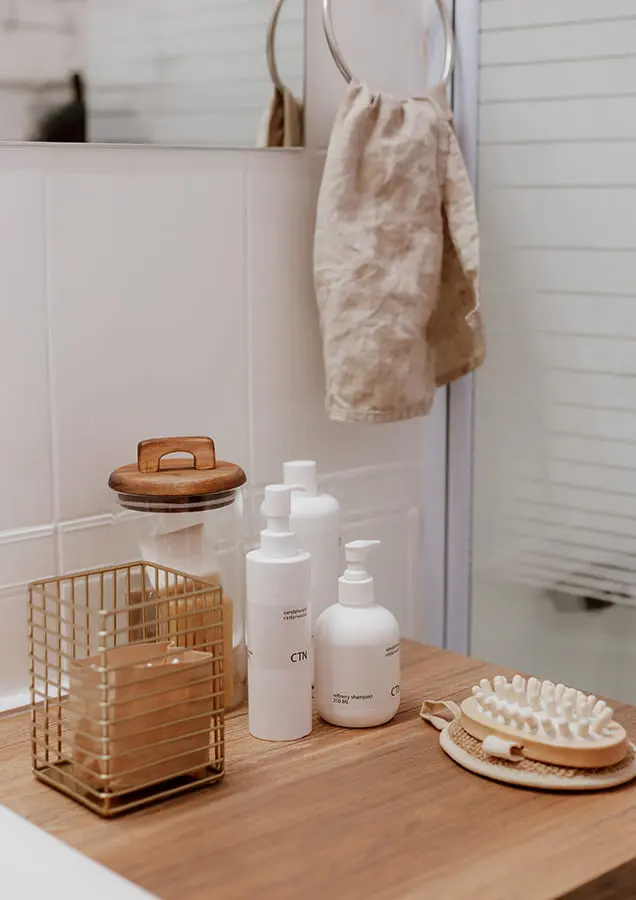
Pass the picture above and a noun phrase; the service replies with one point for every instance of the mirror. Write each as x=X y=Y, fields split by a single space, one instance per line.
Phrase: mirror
x=170 y=72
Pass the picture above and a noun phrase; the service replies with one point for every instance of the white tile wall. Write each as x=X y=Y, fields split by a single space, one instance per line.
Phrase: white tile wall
x=13 y=648
x=23 y=354
x=148 y=336
x=27 y=553
x=151 y=291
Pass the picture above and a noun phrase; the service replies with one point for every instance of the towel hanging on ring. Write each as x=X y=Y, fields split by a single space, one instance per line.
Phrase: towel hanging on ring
x=396 y=258
x=396 y=253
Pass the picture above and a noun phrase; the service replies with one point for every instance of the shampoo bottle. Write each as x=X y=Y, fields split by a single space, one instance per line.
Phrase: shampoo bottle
x=357 y=651
x=279 y=627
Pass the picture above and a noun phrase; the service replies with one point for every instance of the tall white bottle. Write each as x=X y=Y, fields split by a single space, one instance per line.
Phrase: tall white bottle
x=279 y=627
x=315 y=518
x=357 y=651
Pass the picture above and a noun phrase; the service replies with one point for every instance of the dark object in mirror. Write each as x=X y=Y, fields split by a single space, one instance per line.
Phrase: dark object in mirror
x=67 y=122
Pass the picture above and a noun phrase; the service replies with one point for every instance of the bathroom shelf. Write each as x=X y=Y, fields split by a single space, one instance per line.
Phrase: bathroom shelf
x=381 y=814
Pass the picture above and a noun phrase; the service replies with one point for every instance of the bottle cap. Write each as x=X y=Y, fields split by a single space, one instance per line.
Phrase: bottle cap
x=277 y=503
x=356 y=585
x=302 y=474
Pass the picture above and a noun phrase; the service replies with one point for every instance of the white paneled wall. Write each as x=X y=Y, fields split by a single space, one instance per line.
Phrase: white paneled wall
x=555 y=479
x=151 y=291
x=187 y=71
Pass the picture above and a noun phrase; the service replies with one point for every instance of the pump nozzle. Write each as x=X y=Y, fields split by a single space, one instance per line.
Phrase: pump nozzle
x=278 y=538
x=277 y=503
x=356 y=585
x=356 y=555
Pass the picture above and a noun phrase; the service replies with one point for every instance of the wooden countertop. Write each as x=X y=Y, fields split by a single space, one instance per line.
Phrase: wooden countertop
x=379 y=814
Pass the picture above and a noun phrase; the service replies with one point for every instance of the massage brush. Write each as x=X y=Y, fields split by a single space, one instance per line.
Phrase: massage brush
x=543 y=721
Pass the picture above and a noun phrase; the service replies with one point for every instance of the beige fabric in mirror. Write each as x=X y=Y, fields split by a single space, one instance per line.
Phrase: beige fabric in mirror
x=282 y=123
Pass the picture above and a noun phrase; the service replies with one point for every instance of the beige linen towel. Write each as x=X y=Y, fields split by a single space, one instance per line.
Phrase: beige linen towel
x=282 y=123
x=396 y=258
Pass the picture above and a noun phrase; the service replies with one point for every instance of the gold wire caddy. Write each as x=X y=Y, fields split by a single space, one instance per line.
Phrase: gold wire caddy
x=127 y=685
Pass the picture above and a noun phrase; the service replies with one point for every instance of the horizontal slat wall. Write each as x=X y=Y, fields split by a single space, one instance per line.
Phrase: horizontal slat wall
x=556 y=270
x=594 y=219
x=576 y=40
x=520 y=14
x=555 y=477
x=571 y=120
x=613 y=77
x=556 y=165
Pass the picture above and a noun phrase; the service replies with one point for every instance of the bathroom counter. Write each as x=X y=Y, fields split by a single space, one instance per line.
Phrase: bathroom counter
x=380 y=814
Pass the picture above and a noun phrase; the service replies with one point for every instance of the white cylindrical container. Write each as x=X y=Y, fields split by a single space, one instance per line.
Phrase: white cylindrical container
x=357 y=651
x=279 y=628
x=315 y=520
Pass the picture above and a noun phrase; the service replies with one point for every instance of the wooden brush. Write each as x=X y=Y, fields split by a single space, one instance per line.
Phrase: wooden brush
x=544 y=721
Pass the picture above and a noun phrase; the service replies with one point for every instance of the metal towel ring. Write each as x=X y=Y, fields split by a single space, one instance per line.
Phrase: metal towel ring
x=271 y=48
x=449 y=61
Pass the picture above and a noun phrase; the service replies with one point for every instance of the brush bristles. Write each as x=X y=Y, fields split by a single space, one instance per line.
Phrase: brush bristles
x=543 y=708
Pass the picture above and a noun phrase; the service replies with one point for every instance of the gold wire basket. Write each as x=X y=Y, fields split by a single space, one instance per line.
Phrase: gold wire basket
x=126 y=669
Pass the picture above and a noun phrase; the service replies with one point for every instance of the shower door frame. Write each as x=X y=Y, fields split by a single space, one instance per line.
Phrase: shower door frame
x=429 y=619
x=460 y=394
x=444 y=617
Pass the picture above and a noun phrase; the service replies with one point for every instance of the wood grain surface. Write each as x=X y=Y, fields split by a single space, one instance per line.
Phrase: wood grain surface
x=377 y=814
x=151 y=452
x=200 y=473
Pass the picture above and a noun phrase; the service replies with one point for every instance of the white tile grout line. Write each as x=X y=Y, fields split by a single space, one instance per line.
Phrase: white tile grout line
x=98 y=520
x=54 y=462
x=247 y=298
x=35 y=532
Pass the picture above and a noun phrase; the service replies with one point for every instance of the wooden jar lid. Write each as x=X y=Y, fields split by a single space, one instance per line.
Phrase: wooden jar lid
x=203 y=474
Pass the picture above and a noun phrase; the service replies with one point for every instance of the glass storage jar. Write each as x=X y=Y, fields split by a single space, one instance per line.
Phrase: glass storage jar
x=195 y=526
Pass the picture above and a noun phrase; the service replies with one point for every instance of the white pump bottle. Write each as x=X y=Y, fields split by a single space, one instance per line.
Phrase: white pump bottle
x=315 y=520
x=279 y=627
x=357 y=651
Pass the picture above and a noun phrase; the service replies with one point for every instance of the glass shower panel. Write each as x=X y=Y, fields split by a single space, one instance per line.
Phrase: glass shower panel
x=554 y=552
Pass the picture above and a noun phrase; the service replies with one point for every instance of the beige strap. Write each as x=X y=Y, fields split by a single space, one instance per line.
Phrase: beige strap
x=430 y=708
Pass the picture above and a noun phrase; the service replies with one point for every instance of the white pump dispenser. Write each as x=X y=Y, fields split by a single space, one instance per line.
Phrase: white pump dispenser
x=356 y=586
x=357 y=651
x=278 y=627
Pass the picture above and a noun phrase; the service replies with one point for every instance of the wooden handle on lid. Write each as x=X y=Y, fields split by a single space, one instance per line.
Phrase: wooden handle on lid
x=151 y=452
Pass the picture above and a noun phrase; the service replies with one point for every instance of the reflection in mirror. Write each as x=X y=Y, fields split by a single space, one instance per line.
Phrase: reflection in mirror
x=191 y=72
